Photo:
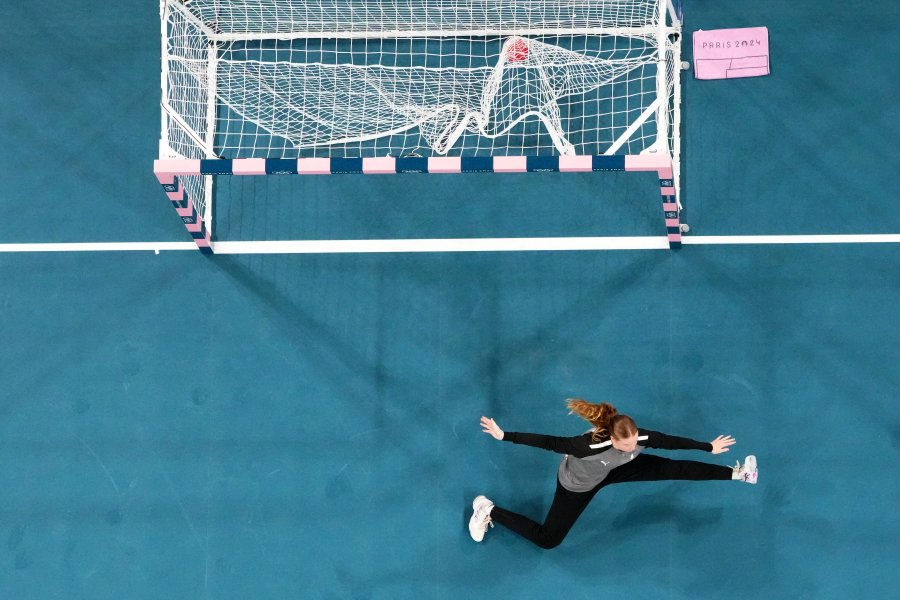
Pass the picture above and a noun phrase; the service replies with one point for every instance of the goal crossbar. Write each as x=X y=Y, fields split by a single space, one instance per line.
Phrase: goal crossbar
x=171 y=172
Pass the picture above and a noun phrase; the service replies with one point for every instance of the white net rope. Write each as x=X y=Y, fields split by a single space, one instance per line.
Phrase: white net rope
x=187 y=97
x=237 y=18
x=574 y=80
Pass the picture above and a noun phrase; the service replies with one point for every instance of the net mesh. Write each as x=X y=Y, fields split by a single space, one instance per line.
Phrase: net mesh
x=286 y=79
x=186 y=123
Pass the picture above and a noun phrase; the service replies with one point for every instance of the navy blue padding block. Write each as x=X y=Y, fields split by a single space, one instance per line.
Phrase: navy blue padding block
x=666 y=183
x=542 y=163
x=346 y=165
x=608 y=163
x=281 y=166
x=412 y=164
x=215 y=166
x=476 y=164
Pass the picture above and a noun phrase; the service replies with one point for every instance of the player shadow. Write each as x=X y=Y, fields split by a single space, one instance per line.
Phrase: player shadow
x=346 y=365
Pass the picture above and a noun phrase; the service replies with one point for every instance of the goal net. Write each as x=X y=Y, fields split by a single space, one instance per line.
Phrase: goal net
x=291 y=79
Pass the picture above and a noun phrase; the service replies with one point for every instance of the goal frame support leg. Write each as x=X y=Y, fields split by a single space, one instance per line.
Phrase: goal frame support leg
x=178 y=196
x=662 y=164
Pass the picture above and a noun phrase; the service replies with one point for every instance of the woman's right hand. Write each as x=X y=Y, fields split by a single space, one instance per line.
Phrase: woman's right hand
x=490 y=427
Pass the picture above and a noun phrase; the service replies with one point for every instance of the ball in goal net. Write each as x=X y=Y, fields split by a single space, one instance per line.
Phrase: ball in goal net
x=298 y=86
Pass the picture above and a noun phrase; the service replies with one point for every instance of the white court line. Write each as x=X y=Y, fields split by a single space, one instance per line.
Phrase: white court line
x=443 y=245
x=98 y=247
x=454 y=245
x=876 y=238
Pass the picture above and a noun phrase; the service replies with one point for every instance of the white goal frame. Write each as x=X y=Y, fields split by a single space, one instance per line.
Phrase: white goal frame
x=190 y=160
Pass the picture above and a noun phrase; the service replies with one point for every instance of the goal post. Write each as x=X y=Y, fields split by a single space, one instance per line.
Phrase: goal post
x=257 y=87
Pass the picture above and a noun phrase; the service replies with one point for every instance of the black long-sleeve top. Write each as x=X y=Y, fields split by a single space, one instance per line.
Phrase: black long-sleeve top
x=586 y=462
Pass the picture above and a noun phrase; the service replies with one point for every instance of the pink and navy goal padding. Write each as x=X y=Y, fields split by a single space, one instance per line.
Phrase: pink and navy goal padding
x=168 y=172
x=182 y=203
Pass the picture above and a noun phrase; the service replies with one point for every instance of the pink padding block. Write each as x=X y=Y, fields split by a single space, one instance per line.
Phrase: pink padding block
x=575 y=164
x=314 y=166
x=510 y=164
x=731 y=53
x=195 y=226
x=376 y=166
x=670 y=206
x=203 y=242
x=248 y=166
x=444 y=164
x=647 y=162
x=168 y=168
x=674 y=237
x=672 y=223
x=666 y=174
x=667 y=191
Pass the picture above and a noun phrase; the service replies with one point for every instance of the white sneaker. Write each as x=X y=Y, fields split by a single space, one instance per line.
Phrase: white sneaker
x=747 y=472
x=481 y=518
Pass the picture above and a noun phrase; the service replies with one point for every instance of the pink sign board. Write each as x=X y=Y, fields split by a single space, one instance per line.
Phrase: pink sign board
x=730 y=53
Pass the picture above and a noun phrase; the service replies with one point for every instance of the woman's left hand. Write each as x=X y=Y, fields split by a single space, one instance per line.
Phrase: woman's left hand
x=721 y=443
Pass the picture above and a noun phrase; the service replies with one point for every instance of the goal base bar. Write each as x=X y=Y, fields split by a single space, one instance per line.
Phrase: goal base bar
x=168 y=172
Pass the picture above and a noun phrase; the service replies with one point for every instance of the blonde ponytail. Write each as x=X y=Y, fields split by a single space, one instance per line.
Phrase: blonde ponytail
x=603 y=417
x=598 y=415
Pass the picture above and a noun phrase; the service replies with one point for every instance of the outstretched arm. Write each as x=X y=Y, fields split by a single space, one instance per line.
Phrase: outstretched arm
x=576 y=446
x=662 y=441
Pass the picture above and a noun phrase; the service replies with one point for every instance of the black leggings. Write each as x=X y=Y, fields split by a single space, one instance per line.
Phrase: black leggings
x=567 y=506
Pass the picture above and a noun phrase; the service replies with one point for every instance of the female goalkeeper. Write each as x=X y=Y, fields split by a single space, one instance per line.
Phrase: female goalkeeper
x=611 y=452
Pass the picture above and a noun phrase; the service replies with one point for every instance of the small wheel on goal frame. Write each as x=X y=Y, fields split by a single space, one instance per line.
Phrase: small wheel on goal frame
x=685 y=65
x=684 y=228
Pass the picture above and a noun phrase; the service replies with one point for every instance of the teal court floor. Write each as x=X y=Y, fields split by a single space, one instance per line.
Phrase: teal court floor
x=178 y=426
